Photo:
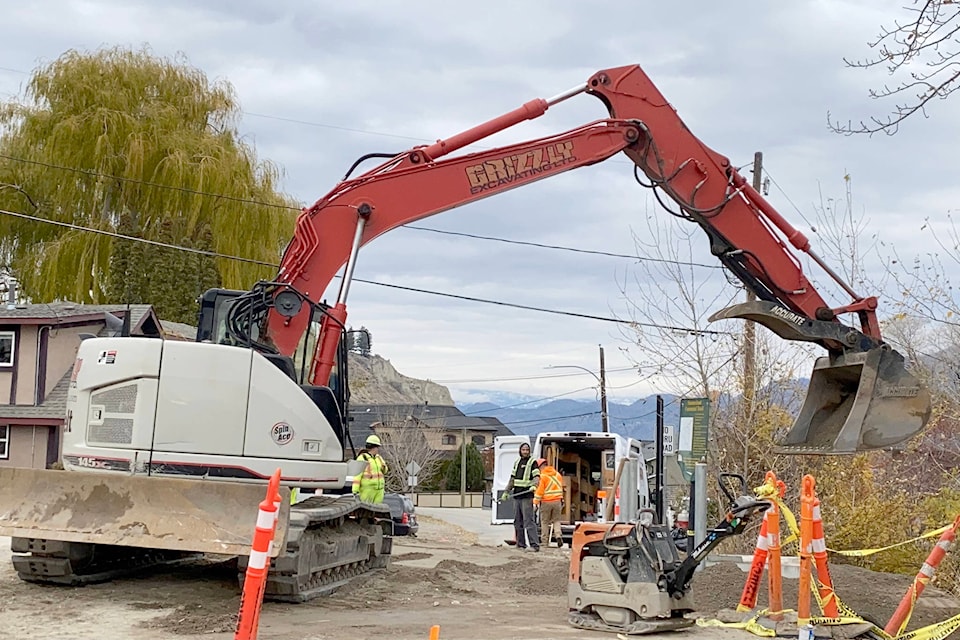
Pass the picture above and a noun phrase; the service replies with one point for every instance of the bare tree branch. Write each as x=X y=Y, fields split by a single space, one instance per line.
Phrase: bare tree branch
x=922 y=52
x=405 y=440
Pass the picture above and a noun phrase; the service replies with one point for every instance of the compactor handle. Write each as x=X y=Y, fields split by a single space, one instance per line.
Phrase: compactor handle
x=723 y=482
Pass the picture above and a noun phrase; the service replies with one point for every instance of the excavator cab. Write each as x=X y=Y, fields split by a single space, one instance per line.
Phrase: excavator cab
x=860 y=398
x=218 y=323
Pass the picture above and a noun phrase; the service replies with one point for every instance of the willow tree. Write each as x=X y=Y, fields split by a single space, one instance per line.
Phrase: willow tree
x=128 y=143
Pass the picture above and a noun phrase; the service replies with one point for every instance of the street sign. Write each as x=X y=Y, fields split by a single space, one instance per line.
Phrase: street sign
x=413 y=468
x=669 y=444
x=692 y=445
x=412 y=481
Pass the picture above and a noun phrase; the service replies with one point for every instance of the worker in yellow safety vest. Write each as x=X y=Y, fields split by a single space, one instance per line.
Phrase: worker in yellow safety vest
x=548 y=499
x=369 y=484
x=523 y=480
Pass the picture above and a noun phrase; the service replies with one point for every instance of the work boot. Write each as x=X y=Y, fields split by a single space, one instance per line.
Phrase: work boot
x=532 y=549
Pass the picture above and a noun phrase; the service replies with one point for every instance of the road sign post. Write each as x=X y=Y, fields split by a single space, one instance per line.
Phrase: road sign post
x=412 y=468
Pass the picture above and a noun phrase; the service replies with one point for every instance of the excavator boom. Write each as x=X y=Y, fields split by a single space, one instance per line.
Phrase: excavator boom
x=861 y=397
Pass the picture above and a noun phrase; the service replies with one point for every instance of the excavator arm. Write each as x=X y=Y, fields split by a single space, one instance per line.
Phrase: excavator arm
x=861 y=397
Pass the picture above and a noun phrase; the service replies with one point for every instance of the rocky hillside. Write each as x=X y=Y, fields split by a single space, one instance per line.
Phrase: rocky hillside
x=373 y=380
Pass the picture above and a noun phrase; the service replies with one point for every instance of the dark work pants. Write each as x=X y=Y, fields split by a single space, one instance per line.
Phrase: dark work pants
x=524 y=523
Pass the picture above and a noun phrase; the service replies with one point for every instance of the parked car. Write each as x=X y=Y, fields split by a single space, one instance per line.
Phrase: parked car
x=403 y=514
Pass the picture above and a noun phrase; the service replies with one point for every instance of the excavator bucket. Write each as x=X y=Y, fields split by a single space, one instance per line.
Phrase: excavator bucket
x=206 y=516
x=856 y=400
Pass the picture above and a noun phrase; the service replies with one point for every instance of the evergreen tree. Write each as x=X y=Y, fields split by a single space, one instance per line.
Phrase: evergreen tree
x=475 y=474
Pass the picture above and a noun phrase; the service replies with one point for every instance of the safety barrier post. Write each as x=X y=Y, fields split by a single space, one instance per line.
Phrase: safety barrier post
x=255 y=580
x=276 y=516
x=898 y=621
x=774 y=575
x=767 y=551
x=806 y=547
x=435 y=632
x=748 y=599
x=819 y=544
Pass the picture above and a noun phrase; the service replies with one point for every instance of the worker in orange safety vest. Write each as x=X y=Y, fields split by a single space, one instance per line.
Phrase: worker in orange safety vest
x=369 y=484
x=548 y=498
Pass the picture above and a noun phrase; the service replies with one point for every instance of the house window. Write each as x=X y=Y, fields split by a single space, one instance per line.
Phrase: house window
x=478 y=440
x=6 y=348
x=4 y=441
x=449 y=439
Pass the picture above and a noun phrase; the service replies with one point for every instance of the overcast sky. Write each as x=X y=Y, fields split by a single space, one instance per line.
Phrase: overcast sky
x=322 y=83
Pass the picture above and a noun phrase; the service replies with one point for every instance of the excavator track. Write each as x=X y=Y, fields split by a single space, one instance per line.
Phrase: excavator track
x=330 y=541
x=78 y=563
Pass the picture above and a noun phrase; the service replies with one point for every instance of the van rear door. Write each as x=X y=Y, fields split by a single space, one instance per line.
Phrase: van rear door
x=506 y=451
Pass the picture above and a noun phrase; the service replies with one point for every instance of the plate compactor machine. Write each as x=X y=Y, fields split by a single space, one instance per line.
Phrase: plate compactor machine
x=628 y=577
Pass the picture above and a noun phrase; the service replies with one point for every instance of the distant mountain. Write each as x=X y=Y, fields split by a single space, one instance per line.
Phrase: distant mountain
x=636 y=420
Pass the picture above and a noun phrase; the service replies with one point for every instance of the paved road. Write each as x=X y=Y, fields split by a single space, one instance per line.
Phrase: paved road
x=474 y=520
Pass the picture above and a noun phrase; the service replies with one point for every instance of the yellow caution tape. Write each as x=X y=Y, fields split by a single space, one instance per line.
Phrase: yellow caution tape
x=937 y=631
x=791 y=523
x=859 y=553
x=752 y=625
x=828 y=622
x=913 y=602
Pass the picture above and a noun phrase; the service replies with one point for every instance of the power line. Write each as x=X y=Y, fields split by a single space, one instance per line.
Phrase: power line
x=572 y=314
x=552 y=418
x=784 y=193
x=563 y=248
x=520 y=404
x=335 y=127
x=98 y=174
x=539 y=377
x=371 y=282
x=155 y=243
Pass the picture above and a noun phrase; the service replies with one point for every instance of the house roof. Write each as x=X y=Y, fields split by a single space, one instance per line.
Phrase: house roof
x=143 y=319
x=53 y=407
x=179 y=329
x=364 y=417
x=502 y=429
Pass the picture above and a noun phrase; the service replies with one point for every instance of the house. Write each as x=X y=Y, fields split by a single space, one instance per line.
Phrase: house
x=443 y=427
x=38 y=346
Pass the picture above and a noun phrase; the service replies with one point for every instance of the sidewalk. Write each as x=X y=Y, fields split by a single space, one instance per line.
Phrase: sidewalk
x=474 y=520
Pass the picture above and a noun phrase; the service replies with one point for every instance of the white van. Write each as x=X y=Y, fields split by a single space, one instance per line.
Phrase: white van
x=588 y=462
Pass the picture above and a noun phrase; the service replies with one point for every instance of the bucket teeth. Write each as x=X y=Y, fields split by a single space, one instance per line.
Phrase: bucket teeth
x=860 y=398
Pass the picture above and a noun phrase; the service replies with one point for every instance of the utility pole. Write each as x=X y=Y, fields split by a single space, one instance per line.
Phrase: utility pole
x=750 y=329
x=750 y=336
x=463 y=469
x=604 y=418
x=660 y=503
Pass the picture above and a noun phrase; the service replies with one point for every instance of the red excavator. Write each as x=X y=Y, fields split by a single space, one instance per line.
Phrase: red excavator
x=194 y=429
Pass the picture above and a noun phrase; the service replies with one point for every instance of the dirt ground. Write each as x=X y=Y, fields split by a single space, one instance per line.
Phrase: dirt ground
x=441 y=577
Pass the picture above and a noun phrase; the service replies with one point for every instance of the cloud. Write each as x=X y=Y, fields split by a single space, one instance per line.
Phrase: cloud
x=338 y=80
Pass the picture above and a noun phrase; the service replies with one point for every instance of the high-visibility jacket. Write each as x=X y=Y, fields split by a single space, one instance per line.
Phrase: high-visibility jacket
x=550 y=488
x=369 y=484
x=524 y=481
